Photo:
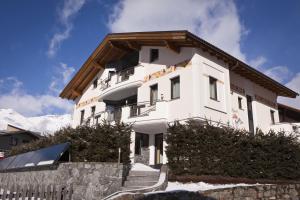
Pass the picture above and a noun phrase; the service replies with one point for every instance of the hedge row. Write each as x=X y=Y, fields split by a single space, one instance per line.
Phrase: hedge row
x=91 y=144
x=202 y=149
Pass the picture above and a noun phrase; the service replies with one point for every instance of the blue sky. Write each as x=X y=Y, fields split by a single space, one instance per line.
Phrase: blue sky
x=43 y=43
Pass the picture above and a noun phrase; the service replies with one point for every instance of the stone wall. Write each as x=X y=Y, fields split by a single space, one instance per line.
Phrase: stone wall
x=258 y=192
x=281 y=192
x=90 y=180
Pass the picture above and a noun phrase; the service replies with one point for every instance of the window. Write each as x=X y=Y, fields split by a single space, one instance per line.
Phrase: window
x=272 y=112
x=93 y=109
x=154 y=54
x=175 y=88
x=81 y=116
x=95 y=83
x=141 y=141
x=213 y=88
x=240 y=103
x=153 y=94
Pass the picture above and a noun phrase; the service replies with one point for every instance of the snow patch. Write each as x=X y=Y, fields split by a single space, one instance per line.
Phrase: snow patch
x=142 y=167
x=201 y=186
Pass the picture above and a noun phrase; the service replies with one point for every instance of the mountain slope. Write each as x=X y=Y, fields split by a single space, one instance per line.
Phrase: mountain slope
x=43 y=124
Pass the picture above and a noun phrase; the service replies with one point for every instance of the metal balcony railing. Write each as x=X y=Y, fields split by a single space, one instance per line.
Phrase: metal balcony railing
x=141 y=109
x=124 y=75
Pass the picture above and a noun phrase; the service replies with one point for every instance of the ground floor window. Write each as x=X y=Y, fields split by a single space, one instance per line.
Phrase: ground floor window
x=141 y=141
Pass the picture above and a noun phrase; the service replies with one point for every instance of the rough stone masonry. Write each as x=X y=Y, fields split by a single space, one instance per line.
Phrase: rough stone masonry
x=90 y=180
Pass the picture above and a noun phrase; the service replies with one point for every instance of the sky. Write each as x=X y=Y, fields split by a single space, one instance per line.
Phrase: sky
x=44 y=43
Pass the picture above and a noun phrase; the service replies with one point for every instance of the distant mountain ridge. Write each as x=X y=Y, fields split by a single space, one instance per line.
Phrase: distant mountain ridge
x=46 y=124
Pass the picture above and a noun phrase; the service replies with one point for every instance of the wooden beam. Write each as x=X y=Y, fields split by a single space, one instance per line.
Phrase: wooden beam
x=77 y=93
x=97 y=65
x=173 y=47
x=119 y=47
x=133 y=45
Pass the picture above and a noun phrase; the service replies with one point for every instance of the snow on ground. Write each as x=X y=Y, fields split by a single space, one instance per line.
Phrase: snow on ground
x=142 y=167
x=201 y=186
x=43 y=124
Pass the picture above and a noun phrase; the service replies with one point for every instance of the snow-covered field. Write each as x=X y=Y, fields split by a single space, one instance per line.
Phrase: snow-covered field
x=200 y=186
x=43 y=124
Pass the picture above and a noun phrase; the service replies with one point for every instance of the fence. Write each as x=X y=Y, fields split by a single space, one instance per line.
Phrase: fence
x=34 y=192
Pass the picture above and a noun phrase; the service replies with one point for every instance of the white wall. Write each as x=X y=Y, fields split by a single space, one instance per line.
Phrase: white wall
x=261 y=111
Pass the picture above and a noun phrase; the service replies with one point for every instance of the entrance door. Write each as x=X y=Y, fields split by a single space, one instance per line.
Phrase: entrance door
x=159 y=148
x=250 y=114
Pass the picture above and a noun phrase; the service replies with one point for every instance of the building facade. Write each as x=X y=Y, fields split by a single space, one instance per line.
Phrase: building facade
x=151 y=79
x=15 y=136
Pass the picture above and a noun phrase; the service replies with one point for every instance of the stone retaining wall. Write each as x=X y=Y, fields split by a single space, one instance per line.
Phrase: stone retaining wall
x=90 y=180
x=281 y=192
x=258 y=192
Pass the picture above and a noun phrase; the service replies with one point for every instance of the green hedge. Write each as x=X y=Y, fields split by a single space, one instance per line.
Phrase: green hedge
x=91 y=144
x=202 y=149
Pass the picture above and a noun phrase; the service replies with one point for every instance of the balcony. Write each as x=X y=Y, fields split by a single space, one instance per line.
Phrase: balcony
x=122 y=84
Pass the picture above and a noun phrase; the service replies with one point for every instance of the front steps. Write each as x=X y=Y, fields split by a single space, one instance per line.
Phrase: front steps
x=140 y=179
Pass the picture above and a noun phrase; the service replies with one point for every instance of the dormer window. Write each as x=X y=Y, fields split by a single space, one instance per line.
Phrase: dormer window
x=154 y=54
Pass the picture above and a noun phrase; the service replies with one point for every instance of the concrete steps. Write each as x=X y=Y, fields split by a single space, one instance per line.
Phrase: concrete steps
x=140 y=179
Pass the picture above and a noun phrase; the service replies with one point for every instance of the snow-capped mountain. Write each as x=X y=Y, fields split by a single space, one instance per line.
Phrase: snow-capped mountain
x=43 y=124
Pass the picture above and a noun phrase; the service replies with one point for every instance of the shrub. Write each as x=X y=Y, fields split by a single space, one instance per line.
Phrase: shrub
x=92 y=144
x=196 y=148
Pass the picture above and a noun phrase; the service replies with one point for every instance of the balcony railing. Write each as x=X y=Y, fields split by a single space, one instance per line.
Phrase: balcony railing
x=141 y=109
x=120 y=76
x=124 y=75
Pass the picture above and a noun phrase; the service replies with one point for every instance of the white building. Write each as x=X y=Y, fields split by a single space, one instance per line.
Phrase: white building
x=154 y=78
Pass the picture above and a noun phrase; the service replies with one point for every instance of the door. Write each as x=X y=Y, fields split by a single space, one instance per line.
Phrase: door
x=250 y=114
x=159 y=148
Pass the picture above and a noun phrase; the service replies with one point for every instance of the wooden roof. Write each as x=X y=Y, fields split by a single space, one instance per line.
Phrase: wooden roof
x=116 y=45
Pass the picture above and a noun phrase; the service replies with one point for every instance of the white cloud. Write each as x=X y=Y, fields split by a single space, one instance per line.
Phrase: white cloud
x=279 y=73
x=213 y=20
x=294 y=84
x=15 y=97
x=62 y=76
x=257 y=62
x=66 y=14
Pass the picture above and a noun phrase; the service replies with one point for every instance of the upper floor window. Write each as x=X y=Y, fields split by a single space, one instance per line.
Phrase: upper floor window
x=213 y=88
x=154 y=54
x=81 y=116
x=153 y=94
x=95 y=83
x=175 y=87
x=93 y=109
x=240 y=103
x=272 y=113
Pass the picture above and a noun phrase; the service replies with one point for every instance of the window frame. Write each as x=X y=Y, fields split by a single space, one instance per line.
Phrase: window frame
x=82 y=112
x=272 y=115
x=154 y=55
x=240 y=103
x=172 y=83
x=152 y=101
x=213 y=80
x=95 y=83
x=93 y=111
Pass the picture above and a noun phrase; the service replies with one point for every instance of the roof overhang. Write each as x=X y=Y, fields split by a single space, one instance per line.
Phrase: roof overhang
x=115 y=46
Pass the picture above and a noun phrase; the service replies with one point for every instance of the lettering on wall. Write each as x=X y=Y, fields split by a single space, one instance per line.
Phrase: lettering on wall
x=89 y=101
x=265 y=101
x=169 y=69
